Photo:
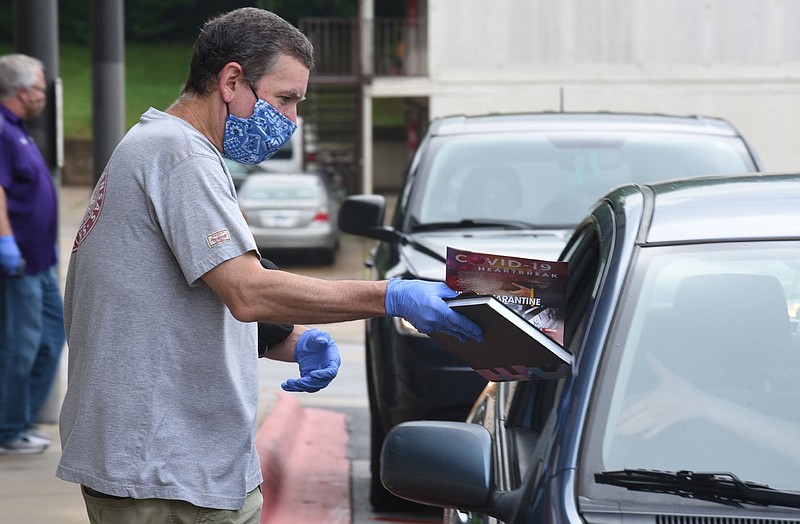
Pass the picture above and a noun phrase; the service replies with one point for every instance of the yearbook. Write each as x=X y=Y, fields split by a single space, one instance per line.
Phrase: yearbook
x=512 y=348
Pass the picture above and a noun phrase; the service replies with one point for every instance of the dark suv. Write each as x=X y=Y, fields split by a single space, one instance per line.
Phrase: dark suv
x=514 y=184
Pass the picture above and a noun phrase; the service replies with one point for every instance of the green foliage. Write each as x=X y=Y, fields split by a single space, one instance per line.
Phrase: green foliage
x=75 y=64
x=74 y=22
x=153 y=21
x=6 y=22
x=159 y=34
x=151 y=82
x=388 y=112
x=158 y=21
x=154 y=75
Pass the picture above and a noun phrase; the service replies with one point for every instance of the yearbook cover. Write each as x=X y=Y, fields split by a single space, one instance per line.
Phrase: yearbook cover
x=535 y=289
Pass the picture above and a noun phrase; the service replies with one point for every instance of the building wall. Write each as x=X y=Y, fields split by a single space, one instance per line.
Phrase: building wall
x=735 y=59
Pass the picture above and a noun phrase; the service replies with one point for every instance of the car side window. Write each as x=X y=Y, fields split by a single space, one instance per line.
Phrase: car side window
x=584 y=268
x=535 y=400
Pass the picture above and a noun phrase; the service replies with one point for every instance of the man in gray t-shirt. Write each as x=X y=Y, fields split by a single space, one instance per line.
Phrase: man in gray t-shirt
x=165 y=287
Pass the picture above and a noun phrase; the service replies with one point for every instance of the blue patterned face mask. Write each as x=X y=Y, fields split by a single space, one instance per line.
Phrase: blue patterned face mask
x=254 y=139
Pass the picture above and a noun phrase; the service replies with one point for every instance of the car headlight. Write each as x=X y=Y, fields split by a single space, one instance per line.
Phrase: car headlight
x=404 y=327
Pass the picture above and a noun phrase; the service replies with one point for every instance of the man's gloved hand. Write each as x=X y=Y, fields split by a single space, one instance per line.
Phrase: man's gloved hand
x=318 y=357
x=10 y=257
x=421 y=303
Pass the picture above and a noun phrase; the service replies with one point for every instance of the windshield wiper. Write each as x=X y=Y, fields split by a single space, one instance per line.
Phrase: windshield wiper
x=470 y=223
x=724 y=488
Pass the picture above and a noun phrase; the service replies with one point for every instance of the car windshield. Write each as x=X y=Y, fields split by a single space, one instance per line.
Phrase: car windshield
x=703 y=372
x=551 y=180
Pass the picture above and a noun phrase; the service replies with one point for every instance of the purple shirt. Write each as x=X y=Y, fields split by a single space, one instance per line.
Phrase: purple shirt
x=30 y=194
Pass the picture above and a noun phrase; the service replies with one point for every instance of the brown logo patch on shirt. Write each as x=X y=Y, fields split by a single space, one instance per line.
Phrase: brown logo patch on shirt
x=93 y=210
x=218 y=237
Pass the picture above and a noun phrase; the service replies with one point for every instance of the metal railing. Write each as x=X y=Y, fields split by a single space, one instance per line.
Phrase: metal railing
x=335 y=43
x=400 y=47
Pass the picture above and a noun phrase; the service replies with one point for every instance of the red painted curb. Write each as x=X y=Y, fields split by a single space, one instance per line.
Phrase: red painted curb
x=274 y=438
x=304 y=462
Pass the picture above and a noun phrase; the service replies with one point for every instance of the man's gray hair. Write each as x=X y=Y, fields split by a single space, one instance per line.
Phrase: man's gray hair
x=17 y=71
x=252 y=37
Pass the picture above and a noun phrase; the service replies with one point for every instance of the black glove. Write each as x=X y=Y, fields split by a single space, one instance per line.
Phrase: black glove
x=270 y=335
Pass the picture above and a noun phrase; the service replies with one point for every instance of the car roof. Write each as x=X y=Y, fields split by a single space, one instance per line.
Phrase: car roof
x=587 y=121
x=715 y=208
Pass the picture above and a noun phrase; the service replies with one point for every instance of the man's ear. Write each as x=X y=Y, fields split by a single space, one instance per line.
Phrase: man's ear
x=229 y=76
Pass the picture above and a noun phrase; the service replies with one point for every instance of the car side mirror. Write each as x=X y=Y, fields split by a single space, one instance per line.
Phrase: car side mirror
x=439 y=463
x=363 y=215
x=446 y=464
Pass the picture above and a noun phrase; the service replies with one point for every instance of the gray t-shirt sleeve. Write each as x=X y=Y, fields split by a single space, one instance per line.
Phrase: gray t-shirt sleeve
x=199 y=216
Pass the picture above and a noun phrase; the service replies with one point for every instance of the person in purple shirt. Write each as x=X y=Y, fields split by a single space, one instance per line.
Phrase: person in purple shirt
x=31 y=307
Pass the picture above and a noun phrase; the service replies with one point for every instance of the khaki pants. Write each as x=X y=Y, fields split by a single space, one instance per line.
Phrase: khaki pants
x=104 y=509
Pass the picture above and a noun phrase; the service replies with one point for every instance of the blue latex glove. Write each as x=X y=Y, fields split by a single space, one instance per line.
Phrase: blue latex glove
x=421 y=303
x=10 y=257
x=318 y=357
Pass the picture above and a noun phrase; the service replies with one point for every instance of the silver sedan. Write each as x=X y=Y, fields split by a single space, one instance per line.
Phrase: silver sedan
x=291 y=212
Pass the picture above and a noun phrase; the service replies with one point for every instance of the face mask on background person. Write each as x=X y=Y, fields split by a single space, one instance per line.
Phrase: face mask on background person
x=254 y=139
x=34 y=100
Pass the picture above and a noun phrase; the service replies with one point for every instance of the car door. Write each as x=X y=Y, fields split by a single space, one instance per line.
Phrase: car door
x=521 y=416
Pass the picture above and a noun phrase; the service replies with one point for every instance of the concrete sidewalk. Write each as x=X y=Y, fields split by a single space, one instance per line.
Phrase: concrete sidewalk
x=306 y=472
